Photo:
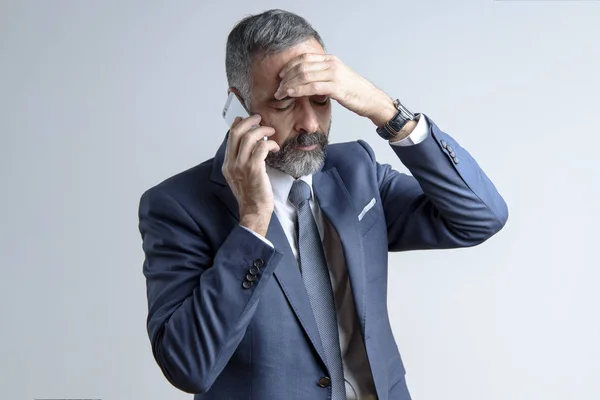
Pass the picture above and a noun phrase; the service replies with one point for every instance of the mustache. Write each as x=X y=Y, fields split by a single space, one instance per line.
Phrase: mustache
x=307 y=139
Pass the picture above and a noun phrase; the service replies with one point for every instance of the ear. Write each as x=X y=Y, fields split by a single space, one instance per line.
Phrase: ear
x=234 y=90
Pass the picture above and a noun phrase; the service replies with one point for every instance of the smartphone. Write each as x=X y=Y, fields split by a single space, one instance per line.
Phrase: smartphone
x=235 y=108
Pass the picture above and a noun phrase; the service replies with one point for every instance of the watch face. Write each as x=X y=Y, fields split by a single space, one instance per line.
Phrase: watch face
x=405 y=112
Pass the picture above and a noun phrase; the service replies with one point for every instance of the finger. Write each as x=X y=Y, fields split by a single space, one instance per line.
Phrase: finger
x=250 y=140
x=305 y=68
x=235 y=123
x=228 y=145
x=236 y=132
x=262 y=149
x=306 y=57
x=325 y=88
x=304 y=78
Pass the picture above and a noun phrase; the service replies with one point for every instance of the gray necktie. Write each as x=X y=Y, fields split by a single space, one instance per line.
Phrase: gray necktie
x=315 y=275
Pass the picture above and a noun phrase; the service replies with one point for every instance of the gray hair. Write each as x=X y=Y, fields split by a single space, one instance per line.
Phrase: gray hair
x=263 y=34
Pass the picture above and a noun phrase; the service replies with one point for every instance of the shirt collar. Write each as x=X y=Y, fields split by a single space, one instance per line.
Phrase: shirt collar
x=282 y=184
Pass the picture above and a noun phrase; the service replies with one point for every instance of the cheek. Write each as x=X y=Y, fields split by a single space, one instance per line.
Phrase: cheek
x=324 y=115
x=283 y=127
x=281 y=136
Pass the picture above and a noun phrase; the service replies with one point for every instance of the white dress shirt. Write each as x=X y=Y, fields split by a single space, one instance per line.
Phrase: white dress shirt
x=357 y=373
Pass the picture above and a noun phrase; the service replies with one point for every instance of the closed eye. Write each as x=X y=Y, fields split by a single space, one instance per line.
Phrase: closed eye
x=319 y=103
x=284 y=108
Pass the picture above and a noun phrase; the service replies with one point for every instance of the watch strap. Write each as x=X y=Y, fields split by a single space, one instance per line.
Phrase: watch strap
x=392 y=128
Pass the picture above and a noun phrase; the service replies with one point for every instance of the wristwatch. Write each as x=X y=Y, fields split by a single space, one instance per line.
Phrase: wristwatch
x=391 y=128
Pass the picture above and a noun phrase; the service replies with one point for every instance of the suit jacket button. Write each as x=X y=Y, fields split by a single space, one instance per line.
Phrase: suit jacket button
x=247 y=284
x=258 y=263
x=444 y=145
x=324 y=382
x=250 y=278
x=253 y=271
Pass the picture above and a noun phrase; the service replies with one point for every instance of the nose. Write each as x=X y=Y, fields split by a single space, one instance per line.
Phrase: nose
x=306 y=117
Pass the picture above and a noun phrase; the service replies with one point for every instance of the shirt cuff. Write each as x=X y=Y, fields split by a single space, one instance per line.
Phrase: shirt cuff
x=267 y=241
x=419 y=133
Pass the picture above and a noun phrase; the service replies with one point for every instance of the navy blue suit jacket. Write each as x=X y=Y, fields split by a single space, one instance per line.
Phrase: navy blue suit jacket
x=214 y=337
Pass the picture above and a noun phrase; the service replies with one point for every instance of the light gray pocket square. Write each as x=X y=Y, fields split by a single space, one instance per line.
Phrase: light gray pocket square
x=367 y=208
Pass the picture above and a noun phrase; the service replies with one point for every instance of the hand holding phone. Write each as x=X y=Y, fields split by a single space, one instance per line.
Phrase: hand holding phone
x=244 y=167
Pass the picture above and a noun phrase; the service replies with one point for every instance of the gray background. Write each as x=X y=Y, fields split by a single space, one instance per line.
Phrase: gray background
x=99 y=100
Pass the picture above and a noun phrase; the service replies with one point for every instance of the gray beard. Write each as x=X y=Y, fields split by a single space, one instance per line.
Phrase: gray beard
x=295 y=162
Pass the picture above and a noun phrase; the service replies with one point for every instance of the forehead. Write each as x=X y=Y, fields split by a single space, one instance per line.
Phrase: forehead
x=265 y=72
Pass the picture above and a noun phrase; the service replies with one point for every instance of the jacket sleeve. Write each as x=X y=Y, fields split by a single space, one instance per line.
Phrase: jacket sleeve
x=198 y=310
x=449 y=201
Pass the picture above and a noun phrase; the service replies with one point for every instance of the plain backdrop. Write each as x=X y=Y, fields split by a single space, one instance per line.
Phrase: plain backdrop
x=100 y=100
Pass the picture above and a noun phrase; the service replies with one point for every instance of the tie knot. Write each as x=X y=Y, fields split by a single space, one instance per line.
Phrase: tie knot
x=299 y=193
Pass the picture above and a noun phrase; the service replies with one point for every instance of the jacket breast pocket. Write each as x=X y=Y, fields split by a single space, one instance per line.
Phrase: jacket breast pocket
x=369 y=216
